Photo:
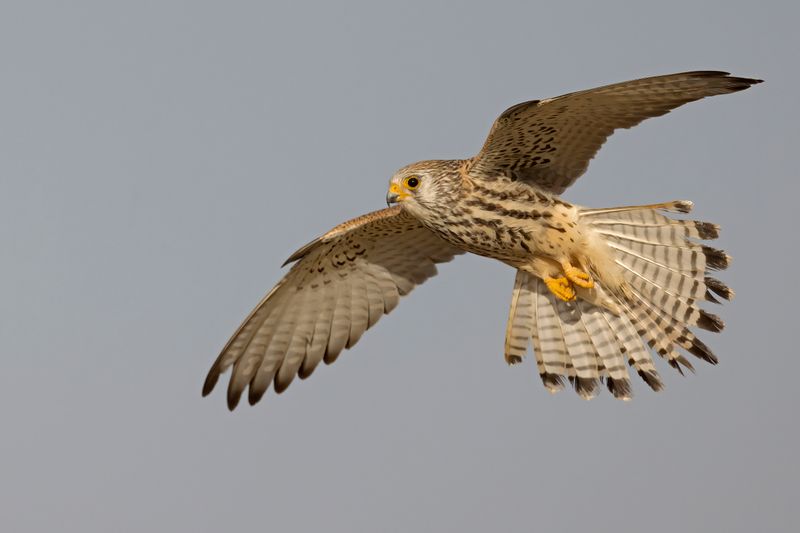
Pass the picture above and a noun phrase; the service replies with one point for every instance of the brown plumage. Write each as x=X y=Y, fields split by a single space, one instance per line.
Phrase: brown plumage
x=597 y=290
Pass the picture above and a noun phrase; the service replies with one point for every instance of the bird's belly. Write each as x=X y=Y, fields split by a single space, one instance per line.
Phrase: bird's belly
x=515 y=244
x=514 y=232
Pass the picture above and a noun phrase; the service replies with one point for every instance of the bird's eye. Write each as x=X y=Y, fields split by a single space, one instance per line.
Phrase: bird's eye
x=412 y=182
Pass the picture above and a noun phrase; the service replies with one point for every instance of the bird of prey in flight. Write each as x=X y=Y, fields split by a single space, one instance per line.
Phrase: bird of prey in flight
x=597 y=291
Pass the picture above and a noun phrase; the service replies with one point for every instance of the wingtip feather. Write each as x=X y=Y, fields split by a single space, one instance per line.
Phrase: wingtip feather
x=233 y=398
x=210 y=382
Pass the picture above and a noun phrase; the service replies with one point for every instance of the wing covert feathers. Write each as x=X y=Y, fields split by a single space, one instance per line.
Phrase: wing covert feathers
x=666 y=272
x=549 y=143
x=339 y=287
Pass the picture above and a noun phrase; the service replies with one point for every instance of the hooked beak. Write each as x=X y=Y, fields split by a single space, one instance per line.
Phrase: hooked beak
x=395 y=195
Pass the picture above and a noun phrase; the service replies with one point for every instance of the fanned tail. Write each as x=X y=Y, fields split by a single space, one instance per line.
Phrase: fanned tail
x=662 y=275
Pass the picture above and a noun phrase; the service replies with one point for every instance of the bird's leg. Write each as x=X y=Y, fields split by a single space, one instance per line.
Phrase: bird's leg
x=561 y=287
x=579 y=277
x=560 y=276
x=550 y=271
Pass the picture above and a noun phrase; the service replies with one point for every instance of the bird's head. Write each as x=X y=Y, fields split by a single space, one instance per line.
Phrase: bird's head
x=423 y=186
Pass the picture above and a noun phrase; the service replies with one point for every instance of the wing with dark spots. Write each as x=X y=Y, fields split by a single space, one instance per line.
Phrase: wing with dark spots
x=549 y=143
x=341 y=284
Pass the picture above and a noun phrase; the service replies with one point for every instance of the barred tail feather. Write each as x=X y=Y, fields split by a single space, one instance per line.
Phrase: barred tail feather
x=518 y=330
x=580 y=349
x=608 y=350
x=552 y=358
x=629 y=340
x=662 y=275
x=579 y=341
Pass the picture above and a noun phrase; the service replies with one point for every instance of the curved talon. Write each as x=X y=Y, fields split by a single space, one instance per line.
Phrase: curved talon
x=561 y=287
x=578 y=276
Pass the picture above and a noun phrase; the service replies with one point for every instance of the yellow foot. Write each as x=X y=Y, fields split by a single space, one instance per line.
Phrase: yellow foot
x=561 y=287
x=577 y=276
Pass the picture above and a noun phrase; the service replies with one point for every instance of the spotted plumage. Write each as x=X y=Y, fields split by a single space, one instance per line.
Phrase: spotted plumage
x=596 y=292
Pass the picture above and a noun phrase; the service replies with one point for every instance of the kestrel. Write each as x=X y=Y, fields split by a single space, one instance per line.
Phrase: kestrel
x=596 y=290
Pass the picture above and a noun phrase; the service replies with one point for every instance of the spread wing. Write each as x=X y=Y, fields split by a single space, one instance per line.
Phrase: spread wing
x=342 y=283
x=549 y=143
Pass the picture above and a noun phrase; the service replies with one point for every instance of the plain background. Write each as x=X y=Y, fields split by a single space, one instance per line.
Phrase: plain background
x=159 y=160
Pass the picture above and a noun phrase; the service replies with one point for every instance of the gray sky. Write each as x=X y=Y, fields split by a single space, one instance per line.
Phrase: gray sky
x=159 y=160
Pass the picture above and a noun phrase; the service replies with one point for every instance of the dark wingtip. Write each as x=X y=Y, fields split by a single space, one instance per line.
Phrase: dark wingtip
x=740 y=84
x=280 y=385
x=233 y=398
x=744 y=83
x=210 y=382
x=734 y=83
x=254 y=396
x=330 y=356
x=304 y=372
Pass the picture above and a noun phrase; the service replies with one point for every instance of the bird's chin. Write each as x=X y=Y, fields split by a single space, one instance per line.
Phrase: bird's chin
x=413 y=207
